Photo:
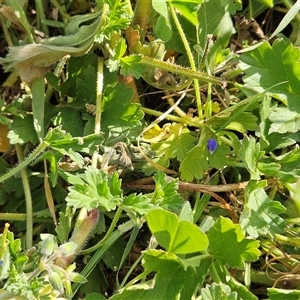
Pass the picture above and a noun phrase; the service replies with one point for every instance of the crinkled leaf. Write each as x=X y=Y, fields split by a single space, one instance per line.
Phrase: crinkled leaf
x=250 y=154
x=165 y=193
x=120 y=117
x=227 y=244
x=260 y=215
x=195 y=163
x=130 y=65
x=198 y=160
x=218 y=292
x=139 y=203
x=177 y=140
x=284 y=120
x=176 y=236
x=274 y=68
x=81 y=81
x=116 y=20
x=94 y=189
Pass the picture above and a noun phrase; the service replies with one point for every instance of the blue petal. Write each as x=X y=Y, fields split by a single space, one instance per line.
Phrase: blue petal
x=212 y=145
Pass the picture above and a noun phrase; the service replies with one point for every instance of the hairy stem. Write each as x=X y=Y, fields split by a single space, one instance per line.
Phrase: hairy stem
x=191 y=60
x=173 y=68
x=22 y=164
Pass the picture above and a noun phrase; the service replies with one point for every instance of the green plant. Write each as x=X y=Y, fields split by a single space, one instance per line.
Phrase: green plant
x=206 y=175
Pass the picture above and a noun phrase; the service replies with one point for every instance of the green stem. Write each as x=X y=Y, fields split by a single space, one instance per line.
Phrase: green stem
x=59 y=68
x=28 y=200
x=22 y=164
x=292 y=241
x=12 y=217
x=56 y=4
x=98 y=104
x=3 y=241
x=41 y=16
x=191 y=60
x=108 y=233
x=186 y=120
x=155 y=63
x=142 y=13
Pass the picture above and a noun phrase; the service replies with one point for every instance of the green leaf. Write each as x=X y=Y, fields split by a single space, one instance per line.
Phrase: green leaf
x=81 y=81
x=32 y=60
x=163 y=29
x=69 y=120
x=194 y=164
x=176 y=236
x=165 y=194
x=188 y=9
x=161 y=7
x=227 y=244
x=282 y=294
x=214 y=18
x=243 y=122
x=172 y=279
x=94 y=189
x=233 y=6
x=250 y=153
x=274 y=68
x=95 y=296
x=130 y=65
x=198 y=160
x=38 y=105
x=139 y=203
x=22 y=131
x=176 y=143
x=120 y=48
x=120 y=117
x=284 y=120
x=260 y=215
x=218 y=292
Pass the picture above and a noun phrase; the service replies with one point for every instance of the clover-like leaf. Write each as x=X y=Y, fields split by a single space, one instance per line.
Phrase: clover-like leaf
x=176 y=236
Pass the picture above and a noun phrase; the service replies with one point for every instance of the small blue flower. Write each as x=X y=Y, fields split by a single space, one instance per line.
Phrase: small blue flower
x=212 y=145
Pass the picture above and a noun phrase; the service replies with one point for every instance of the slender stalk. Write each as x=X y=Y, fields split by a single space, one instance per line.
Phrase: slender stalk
x=59 y=68
x=98 y=104
x=191 y=60
x=41 y=16
x=170 y=117
x=28 y=200
x=173 y=68
x=22 y=164
x=12 y=217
